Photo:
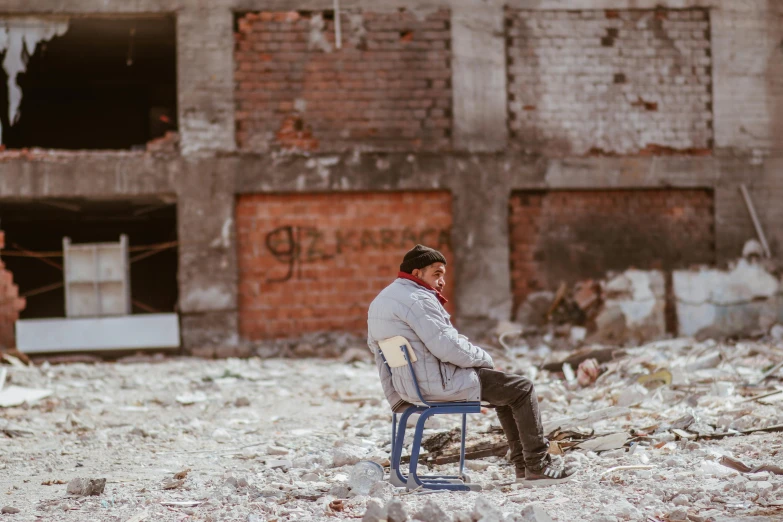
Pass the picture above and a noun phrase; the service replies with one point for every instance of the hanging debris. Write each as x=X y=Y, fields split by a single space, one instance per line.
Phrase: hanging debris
x=19 y=36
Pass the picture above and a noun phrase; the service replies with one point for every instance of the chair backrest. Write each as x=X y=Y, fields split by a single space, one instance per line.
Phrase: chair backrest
x=392 y=349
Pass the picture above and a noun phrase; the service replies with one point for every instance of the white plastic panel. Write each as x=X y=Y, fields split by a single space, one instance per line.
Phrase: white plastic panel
x=129 y=332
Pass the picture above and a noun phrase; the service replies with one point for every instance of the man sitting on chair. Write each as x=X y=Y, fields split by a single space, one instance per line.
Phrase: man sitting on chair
x=450 y=368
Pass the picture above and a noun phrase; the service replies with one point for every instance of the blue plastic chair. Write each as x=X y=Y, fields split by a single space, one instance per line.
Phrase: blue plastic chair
x=397 y=352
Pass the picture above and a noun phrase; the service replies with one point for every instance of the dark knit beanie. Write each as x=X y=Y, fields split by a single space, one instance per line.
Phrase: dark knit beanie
x=420 y=257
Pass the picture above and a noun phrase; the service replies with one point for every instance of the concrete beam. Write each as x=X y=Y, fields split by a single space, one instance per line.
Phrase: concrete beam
x=205 y=80
x=478 y=77
x=99 y=175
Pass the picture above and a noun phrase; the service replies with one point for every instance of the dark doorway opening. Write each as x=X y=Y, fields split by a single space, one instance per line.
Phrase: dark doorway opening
x=104 y=84
x=40 y=225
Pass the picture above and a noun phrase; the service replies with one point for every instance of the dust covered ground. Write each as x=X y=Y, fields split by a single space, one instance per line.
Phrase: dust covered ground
x=274 y=439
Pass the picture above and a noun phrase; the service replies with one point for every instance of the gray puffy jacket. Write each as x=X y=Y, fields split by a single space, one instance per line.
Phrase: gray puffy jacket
x=446 y=361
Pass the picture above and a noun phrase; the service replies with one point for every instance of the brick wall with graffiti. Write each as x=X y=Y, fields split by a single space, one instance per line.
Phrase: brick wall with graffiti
x=314 y=262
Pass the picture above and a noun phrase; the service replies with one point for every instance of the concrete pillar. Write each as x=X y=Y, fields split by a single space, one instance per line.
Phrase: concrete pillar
x=480 y=242
x=207 y=257
x=205 y=79
x=478 y=76
x=746 y=69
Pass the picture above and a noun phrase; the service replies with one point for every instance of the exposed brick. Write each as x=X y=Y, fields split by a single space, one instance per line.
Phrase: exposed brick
x=10 y=304
x=329 y=264
x=295 y=90
x=609 y=82
x=574 y=235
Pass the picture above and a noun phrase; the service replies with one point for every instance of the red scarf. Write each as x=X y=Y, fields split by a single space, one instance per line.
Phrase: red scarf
x=409 y=277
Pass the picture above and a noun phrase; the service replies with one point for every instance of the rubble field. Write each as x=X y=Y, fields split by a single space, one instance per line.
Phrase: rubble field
x=674 y=430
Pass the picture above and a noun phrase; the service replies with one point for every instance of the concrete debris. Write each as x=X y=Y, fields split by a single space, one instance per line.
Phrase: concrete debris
x=534 y=513
x=395 y=511
x=722 y=303
x=633 y=308
x=374 y=512
x=348 y=455
x=171 y=483
x=84 y=487
x=431 y=512
x=382 y=490
x=19 y=37
x=17 y=395
x=485 y=511
x=534 y=310
x=587 y=372
x=776 y=332
x=699 y=403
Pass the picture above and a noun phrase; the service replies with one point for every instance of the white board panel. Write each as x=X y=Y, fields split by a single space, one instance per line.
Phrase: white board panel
x=128 y=332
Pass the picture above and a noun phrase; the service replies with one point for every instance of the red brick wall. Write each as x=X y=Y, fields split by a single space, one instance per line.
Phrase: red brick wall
x=314 y=262
x=573 y=235
x=10 y=304
x=387 y=88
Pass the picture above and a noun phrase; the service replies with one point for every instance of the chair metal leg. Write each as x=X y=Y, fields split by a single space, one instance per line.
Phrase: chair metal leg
x=413 y=481
x=396 y=478
x=462 y=446
x=433 y=482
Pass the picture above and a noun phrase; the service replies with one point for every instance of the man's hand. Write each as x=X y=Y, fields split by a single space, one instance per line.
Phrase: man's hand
x=401 y=406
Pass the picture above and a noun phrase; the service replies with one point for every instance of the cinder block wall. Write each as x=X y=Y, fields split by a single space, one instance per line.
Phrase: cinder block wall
x=609 y=81
x=387 y=87
x=314 y=262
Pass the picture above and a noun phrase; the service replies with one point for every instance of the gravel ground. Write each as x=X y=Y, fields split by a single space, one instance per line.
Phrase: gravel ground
x=275 y=439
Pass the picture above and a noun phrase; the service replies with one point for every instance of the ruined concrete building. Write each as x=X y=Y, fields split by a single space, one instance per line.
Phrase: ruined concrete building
x=280 y=157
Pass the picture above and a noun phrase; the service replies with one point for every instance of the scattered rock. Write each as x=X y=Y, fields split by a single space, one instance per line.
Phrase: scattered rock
x=681 y=500
x=395 y=511
x=535 y=309
x=278 y=463
x=382 y=490
x=587 y=372
x=277 y=450
x=221 y=435
x=242 y=402
x=477 y=465
x=182 y=474
x=374 y=512
x=139 y=432
x=431 y=512
x=678 y=515
x=534 y=513
x=347 y=455
x=484 y=511
x=339 y=491
x=171 y=483
x=8 y=510
x=462 y=517
x=84 y=487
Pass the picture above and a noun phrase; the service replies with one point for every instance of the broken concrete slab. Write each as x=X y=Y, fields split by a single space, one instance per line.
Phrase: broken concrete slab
x=633 y=309
x=720 y=303
x=84 y=487
x=18 y=395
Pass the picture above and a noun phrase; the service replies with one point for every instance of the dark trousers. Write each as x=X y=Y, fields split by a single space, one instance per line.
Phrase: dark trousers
x=516 y=404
